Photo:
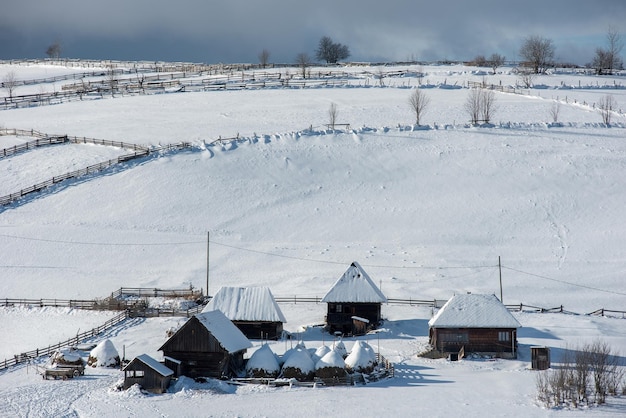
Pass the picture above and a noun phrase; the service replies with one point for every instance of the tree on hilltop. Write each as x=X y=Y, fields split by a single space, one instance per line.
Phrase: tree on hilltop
x=330 y=51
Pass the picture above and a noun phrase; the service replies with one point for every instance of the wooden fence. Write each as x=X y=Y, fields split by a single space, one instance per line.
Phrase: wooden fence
x=140 y=292
x=29 y=355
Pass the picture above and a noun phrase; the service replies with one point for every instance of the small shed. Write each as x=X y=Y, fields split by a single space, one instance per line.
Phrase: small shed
x=252 y=309
x=476 y=323
x=151 y=375
x=207 y=345
x=354 y=295
x=540 y=358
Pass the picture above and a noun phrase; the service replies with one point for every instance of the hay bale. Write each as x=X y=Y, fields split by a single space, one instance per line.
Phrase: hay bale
x=66 y=357
x=104 y=355
x=330 y=365
x=263 y=363
x=299 y=366
x=362 y=358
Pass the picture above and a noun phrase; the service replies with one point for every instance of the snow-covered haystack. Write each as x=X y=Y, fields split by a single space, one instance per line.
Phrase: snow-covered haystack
x=298 y=365
x=104 y=355
x=299 y=346
x=331 y=365
x=263 y=363
x=341 y=349
x=320 y=352
x=362 y=358
x=65 y=356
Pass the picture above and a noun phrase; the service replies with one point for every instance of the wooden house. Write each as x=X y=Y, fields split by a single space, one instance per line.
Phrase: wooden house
x=475 y=323
x=354 y=303
x=207 y=345
x=151 y=375
x=252 y=309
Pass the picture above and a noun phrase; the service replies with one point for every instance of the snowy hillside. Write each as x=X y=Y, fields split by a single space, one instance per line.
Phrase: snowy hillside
x=426 y=211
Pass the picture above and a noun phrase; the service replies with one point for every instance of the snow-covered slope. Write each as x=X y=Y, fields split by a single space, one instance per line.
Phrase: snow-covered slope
x=425 y=211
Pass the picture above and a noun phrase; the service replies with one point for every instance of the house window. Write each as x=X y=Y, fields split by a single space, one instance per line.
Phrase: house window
x=137 y=373
x=455 y=337
x=504 y=336
x=338 y=308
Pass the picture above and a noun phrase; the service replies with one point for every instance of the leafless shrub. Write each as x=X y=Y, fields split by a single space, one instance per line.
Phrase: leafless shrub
x=480 y=105
x=332 y=116
x=418 y=100
x=607 y=105
x=591 y=369
x=555 y=110
x=9 y=82
x=526 y=77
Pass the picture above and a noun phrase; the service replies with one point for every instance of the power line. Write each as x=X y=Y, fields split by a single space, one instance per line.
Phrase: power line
x=613 y=292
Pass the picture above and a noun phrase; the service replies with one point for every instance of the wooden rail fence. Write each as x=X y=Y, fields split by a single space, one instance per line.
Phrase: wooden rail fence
x=29 y=355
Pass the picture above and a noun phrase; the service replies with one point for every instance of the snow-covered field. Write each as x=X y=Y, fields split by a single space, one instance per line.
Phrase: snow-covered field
x=426 y=212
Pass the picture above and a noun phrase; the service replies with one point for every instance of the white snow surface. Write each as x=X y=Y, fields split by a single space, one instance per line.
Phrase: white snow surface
x=228 y=335
x=255 y=303
x=473 y=311
x=426 y=210
x=356 y=286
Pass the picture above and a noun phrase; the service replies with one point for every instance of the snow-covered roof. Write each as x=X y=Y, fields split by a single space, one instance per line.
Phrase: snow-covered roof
x=153 y=364
x=246 y=304
x=222 y=328
x=473 y=311
x=354 y=286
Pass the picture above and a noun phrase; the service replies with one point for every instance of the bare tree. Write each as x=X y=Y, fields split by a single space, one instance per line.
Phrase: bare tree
x=480 y=105
x=264 y=57
x=304 y=62
x=607 y=105
x=330 y=51
x=487 y=105
x=555 y=110
x=332 y=116
x=9 y=82
x=538 y=53
x=472 y=105
x=608 y=59
x=54 y=50
x=418 y=100
x=526 y=77
x=495 y=61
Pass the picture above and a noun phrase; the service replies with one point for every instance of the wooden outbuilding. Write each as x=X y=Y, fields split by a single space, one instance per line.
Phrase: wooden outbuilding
x=474 y=323
x=252 y=309
x=354 y=295
x=151 y=375
x=207 y=345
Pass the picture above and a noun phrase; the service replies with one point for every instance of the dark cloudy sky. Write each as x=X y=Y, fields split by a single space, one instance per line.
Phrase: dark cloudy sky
x=213 y=31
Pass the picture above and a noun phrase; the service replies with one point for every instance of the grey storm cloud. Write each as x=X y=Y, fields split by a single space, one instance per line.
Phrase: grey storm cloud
x=236 y=30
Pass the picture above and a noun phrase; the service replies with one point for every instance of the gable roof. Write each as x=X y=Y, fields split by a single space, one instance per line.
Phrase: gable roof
x=222 y=328
x=473 y=311
x=153 y=364
x=354 y=286
x=246 y=304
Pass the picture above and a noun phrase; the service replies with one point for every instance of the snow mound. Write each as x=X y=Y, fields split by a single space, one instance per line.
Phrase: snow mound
x=340 y=347
x=263 y=363
x=299 y=365
x=104 y=355
x=331 y=359
x=320 y=352
x=362 y=358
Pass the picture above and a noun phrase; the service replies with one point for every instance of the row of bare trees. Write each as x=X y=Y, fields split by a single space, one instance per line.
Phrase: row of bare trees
x=585 y=376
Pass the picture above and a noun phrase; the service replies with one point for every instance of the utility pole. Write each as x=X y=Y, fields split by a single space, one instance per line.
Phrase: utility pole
x=207 y=261
x=500 y=271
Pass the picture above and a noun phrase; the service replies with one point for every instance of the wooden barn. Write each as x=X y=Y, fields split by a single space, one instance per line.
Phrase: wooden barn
x=252 y=309
x=354 y=303
x=475 y=323
x=151 y=375
x=207 y=345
